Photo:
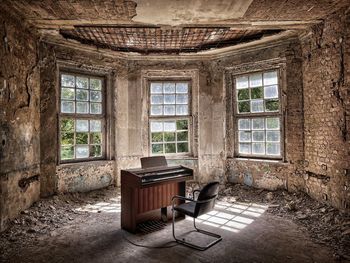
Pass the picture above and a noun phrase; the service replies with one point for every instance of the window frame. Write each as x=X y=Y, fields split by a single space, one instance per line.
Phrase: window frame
x=175 y=118
x=82 y=116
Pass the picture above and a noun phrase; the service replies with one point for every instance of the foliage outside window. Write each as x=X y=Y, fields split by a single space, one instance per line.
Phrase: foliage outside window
x=81 y=117
x=169 y=122
x=258 y=115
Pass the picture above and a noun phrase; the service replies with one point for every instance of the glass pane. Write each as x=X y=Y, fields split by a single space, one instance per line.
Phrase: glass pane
x=244 y=136
x=255 y=80
x=273 y=136
x=258 y=136
x=67 y=107
x=81 y=138
x=67 y=152
x=243 y=106
x=95 y=126
x=271 y=92
x=244 y=124
x=182 y=125
x=243 y=94
x=82 y=151
x=82 y=126
x=182 y=99
x=156 y=88
x=68 y=94
x=156 y=126
x=67 y=125
x=169 y=87
x=82 y=83
x=67 y=80
x=244 y=148
x=169 y=110
x=96 y=96
x=156 y=110
x=169 y=126
x=157 y=148
x=258 y=124
x=182 y=136
x=96 y=84
x=257 y=105
x=273 y=148
x=181 y=87
x=257 y=93
x=95 y=108
x=82 y=95
x=271 y=105
x=270 y=78
x=181 y=109
x=156 y=99
x=169 y=99
x=67 y=138
x=272 y=123
x=258 y=148
x=182 y=147
x=242 y=82
x=82 y=107
x=95 y=138
x=95 y=151
x=170 y=148
x=169 y=136
x=157 y=136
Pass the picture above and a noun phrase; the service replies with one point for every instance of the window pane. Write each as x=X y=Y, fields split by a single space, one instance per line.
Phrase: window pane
x=244 y=148
x=272 y=105
x=156 y=110
x=182 y=147
x=243 y=94
x=95 y=108
x=272 y=123
x=182 y=125
x=157 y=136
x=258 y=148
x=182 y=99
x=169 y=87
x=273 y=136
x=67 y=138
x=82 y=151
x=257 y=105
x=258 y=136
x=255 y=80
x=67 y=125
x=156 y=99
x=82 y=107
x=270 y=78
x=67 y=152
x=95 y=138
x=169 y=110
x=156 y=126
x=169 y=99
x=244 y=124
x=243 y=106
x=81 y=138
x=68 y=94
x=271 y=92
x=244 y=136
x=157 y=148
x=82 y=83
x=169 y=126
x=258 y=124
x=182 y=136
x=96 y=96
x=181 y=87
x=67 y=107
x=273 y=148
x=242 y=82
x=181 y=109
x=95 y=151
x=95 y=126
x=82 y=126
x=96 y=84
x=67 y=80
x=257 y=93
x=170 y=148
x=156 y=88
x=169 y=136
x=82 y=95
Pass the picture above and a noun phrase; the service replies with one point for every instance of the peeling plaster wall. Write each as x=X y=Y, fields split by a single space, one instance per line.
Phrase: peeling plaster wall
x=19 y=118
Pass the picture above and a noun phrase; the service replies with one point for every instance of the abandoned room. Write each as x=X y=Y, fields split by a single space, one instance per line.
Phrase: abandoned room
x=174 y=131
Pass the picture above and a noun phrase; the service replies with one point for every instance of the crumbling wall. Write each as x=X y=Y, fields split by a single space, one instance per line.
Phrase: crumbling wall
x=19 y=118
x=326 y=80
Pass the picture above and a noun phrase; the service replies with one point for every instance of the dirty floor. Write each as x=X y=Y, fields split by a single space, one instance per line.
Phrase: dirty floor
x=86 y=228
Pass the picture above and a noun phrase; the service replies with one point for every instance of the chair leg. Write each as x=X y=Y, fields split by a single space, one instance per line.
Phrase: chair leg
x=183 y=242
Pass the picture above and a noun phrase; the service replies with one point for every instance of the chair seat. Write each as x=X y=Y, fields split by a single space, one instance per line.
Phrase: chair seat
x=186 y=208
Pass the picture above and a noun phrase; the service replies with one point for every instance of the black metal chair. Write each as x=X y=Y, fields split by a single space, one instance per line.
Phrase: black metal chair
x=195 y=208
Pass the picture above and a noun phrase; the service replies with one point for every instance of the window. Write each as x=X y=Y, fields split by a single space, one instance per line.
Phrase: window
x=258 y=115
x=81 y=117
x=169 y=118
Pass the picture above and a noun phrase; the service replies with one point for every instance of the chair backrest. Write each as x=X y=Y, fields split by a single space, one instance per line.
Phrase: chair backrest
x=208 y=193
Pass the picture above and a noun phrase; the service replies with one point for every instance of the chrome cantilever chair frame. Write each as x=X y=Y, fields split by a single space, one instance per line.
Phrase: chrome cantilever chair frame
x=183 y=242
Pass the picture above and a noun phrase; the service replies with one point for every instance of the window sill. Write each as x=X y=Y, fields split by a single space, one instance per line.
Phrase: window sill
x=81 y=163
x=247 y=159
x=181 y=158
